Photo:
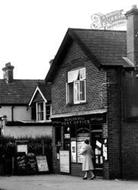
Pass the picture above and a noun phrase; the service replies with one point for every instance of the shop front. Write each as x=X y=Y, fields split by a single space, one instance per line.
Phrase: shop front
x=68 y=136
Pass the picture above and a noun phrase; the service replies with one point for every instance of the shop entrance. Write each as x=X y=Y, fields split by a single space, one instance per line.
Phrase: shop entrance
x=97 y=145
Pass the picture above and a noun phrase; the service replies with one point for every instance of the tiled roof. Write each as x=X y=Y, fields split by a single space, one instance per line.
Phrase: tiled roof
x=103 y=47
x=46 y=90
x=17 y=92
x=107 y=46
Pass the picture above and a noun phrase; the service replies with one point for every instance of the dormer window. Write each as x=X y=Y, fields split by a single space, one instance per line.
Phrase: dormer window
x=76 y=86
x=41 y=105
x=41 y=111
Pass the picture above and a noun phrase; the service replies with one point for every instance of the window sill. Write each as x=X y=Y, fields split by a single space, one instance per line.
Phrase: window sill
x=77 y=104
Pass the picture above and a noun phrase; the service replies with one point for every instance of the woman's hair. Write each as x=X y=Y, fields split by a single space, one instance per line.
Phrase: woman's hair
x=86 y=141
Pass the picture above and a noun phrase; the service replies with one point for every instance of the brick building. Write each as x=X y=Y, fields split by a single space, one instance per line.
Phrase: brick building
x=94 y=95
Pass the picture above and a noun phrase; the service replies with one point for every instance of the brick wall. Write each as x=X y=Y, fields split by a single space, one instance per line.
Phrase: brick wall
x=114 y=122
x=130 y=150
x=95 y=90
x=94 y=80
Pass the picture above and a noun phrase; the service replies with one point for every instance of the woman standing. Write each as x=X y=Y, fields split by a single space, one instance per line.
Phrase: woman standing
x=87 y=165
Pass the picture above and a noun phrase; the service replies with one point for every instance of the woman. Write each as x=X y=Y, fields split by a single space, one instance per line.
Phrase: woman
x=87 y=165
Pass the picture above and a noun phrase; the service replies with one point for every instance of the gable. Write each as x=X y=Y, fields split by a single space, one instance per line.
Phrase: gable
x=41 y=93
x=102 y=47
x=38 y=98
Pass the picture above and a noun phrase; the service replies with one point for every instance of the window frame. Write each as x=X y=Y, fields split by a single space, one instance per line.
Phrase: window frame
x=43 y=111
x=75 y=84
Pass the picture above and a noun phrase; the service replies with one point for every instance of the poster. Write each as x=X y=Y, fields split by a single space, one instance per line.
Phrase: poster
x=42 y=163
x=73 y=151
x=79 y=156
x=22 y=148
x=64 y=161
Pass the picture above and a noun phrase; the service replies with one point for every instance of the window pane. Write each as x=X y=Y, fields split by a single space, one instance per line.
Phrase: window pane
x=76 y=91
x=73 y=76
x=47 y=111
x=82 y=90
x=82 y=74
x=70 y=86
x=40 y=111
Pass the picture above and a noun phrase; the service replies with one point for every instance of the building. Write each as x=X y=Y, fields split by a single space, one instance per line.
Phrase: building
x=94 y=95
x=18 y=119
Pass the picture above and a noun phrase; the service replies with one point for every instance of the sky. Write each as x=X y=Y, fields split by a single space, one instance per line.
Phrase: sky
x=31 y=31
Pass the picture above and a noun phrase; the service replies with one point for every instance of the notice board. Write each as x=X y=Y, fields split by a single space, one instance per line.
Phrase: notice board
x=22 y=148
x=42 y=163
x=64 y=161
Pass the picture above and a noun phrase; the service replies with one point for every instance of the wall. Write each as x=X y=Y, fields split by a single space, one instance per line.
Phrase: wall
x=94 y=83
x=114 y=122
x=27 y=131
x=20 y=113
x=6 y=110
x=130 y=150
x=95 y=87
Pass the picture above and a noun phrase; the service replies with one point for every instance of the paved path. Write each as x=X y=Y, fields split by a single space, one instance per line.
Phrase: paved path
x=63 y=182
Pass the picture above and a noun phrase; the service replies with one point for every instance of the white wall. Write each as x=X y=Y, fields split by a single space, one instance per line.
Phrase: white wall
x=6 y=110
x=27 y=131
x=20 y=113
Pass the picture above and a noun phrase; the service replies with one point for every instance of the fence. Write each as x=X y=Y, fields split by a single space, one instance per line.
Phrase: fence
x=20 y=156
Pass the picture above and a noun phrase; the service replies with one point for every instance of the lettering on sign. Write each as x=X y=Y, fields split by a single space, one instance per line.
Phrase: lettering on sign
x=113 y=20
x=42 y=163
x=64 y=161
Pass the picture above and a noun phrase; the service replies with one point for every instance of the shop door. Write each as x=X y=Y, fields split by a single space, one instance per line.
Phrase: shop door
x=97 y=145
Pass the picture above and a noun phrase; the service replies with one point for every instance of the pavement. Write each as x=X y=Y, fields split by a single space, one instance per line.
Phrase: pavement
x=63 y=182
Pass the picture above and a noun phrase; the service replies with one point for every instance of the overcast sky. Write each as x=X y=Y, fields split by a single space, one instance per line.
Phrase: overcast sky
x=31 y=31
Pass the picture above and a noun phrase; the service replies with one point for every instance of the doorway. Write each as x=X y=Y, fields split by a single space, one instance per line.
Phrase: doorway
x=97 y=145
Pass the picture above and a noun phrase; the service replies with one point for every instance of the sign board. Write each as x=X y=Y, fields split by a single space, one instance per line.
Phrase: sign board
x=21 y=162
x=64 y=161
x=42 y=163
x=110 y=21
x=22 y=148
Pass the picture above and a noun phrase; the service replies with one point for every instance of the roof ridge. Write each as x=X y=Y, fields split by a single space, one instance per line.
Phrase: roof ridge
x=85 y=29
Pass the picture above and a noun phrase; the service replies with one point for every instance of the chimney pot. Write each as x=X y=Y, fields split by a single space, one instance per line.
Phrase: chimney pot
x=8 y=72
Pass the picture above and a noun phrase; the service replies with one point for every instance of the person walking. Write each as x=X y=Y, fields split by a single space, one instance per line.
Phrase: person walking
x=87 y=165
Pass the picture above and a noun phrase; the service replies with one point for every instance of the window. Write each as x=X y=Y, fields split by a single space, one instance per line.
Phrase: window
x=76 y=86
x=41 y=111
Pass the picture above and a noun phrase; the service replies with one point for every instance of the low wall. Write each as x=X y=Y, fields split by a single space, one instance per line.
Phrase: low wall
x=27 y=131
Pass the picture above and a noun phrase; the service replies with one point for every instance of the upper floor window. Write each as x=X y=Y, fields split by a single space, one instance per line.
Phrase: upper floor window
x=76 y=86
x=41 y=111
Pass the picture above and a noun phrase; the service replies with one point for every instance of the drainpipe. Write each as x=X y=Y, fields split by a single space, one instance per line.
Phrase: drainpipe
x=12 y=113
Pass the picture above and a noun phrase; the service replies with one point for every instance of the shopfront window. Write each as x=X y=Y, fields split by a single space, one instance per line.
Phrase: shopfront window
x=67 y=138
x=76 y=146
x=97 y=144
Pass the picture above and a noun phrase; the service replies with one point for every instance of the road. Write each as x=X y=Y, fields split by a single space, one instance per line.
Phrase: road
x=63 y=182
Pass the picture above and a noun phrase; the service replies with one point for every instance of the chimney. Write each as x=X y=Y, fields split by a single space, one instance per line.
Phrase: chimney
x=8 y=72
x=132 y=35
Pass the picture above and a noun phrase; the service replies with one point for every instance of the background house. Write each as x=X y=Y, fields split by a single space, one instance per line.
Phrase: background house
x=93 y=80
x=17 y=117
